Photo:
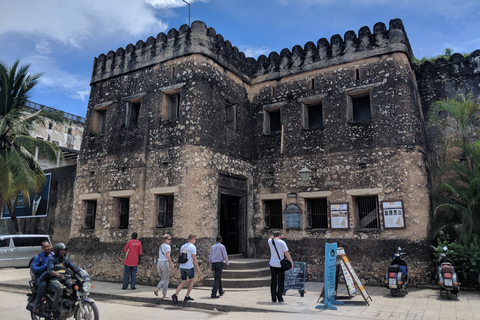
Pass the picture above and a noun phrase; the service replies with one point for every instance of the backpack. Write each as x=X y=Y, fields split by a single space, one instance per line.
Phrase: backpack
x=32 y=275
x=183 y=258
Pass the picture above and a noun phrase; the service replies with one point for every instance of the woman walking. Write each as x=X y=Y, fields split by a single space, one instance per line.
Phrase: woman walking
x=278 y=250
x=164 y=264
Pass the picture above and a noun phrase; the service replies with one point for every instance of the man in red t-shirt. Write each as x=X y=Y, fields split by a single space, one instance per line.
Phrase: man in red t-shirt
x=133 y=248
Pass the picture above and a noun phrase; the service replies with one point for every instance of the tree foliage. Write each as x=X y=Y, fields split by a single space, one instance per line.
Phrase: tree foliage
x=20 y=173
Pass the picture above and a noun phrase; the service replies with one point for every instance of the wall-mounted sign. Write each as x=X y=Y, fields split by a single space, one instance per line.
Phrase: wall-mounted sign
x=38 y=205
x=393 y=215
x=293 y=217
x=339 y=216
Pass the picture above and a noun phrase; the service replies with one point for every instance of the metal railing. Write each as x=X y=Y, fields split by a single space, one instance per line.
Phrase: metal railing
x=70 y=117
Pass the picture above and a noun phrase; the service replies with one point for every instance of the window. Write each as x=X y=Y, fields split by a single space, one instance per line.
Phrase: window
x=273 y=214
x=37 y=241
x=173 y=102
x=317 y=213
x=4 y=242
x=22 y=242
x=367 y=212
x=99 y=120
x=359 y=107
x=90 y=213
x=231 y=116
x=313 y=116
x=123 y=210
x=69 y=130
x=272 y=121
x=132 y=113
x=164 y=211
x=50 y=125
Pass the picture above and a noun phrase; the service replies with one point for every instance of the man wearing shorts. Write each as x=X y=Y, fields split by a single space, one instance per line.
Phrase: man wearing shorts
x=187 y=269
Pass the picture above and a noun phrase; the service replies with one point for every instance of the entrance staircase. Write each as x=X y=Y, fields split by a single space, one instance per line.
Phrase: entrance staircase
x=243 y=273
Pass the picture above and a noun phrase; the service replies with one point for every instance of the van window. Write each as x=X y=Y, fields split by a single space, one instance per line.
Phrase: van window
x=21 y=242
x=4 y=242
x=37 y=241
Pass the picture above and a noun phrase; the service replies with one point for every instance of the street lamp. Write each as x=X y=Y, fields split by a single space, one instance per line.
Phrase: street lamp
x=188 y=12
x=305 y=174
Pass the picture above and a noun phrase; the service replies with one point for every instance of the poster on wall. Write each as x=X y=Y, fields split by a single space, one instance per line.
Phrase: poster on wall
x=38 y=205
x=339 y=216
x=393 y=217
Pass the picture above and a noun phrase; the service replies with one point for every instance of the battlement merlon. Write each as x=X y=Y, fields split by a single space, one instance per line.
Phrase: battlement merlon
x=198 y=39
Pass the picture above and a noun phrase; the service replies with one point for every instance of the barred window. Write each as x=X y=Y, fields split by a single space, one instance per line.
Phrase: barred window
x=273 y=214
x=123 y=213
x=367 y=212
x=132 y=114
x=91 y=211
x=317 y=213
x=164 y=211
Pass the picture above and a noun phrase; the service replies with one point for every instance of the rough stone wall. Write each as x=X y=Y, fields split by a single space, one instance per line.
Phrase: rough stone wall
x=60 y=205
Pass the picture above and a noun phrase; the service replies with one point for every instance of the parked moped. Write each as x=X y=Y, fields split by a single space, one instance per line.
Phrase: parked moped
x=446 y=275
x=397 y=279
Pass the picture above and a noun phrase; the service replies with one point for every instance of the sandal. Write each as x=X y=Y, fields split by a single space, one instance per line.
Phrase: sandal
x=155 y=292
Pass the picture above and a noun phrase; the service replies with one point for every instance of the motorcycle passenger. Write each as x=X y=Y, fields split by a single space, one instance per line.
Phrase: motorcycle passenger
x=39 y=269
x=57 y=268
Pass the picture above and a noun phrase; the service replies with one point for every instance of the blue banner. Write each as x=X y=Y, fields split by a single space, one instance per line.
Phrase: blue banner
x=330 y=272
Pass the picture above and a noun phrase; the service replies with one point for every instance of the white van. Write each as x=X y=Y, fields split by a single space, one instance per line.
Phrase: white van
x=18 y=250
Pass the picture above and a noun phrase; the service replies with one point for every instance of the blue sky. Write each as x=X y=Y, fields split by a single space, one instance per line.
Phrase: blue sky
x=61 y=38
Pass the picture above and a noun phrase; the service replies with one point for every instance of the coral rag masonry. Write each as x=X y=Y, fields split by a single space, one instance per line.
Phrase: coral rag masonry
x=184 y=134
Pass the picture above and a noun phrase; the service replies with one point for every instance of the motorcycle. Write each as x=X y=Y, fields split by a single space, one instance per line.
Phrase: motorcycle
x=74 y=302
x=397 y=279
x=446 y=275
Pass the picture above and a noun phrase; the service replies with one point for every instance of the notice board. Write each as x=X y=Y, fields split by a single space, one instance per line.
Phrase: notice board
x=295 y=278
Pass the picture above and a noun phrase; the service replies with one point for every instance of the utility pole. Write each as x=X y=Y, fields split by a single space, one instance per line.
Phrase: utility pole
x=188 y=12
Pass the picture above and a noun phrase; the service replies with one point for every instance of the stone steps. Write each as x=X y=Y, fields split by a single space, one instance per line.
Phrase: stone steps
x=243 y=273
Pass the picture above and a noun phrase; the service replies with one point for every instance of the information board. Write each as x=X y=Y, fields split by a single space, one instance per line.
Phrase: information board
x=295 y=278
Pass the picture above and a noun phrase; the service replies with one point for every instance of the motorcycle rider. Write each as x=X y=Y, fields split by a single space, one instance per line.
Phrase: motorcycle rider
x=57 y=268
x=39 y=267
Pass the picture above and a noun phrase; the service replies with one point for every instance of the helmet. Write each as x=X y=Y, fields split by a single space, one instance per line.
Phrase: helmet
x=59 y=246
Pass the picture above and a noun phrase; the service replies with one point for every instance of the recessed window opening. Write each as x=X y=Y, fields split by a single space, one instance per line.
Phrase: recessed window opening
x=273 y=214
x=359 y=107
x=272 y=121
x=123 y=212
x=90 y=213
x=173 y=72
x=69 y=131
x=313 y=116
x=367 y=212
x=132 y=113
x=50 y=125
x=164 y=211
x=174 y=106
x=357 y=74
x=231 y=115
x=312 y=84
x=317 y=213
x=273 y=91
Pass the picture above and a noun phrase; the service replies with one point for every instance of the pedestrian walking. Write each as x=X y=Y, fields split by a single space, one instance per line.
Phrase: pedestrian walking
x=218 y=254
x=187 y=269
x=133 y=250
x=164 y=264
x=278 y=250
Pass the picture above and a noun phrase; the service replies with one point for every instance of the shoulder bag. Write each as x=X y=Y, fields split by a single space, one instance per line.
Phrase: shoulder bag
x=183 y=258
x=285 y=263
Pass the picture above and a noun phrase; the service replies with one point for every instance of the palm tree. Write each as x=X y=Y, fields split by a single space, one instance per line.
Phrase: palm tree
x=19 y=171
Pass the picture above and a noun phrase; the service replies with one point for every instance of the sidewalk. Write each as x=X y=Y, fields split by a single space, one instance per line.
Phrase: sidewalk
x=418 y=304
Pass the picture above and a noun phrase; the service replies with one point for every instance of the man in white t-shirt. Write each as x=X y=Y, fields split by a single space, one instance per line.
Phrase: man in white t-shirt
x=187 y=269
x=277 y=253
x=164 y=264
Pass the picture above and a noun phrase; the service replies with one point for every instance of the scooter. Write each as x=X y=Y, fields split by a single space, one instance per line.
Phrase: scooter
x=446 y=275
x=397 y=279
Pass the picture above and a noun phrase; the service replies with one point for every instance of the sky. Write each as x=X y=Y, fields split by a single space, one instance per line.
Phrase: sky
x=60 y=38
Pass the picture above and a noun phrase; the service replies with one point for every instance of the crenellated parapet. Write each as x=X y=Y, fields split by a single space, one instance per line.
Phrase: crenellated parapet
x=198 y=39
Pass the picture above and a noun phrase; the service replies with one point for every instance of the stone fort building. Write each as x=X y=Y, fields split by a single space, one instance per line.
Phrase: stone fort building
x=184 y=134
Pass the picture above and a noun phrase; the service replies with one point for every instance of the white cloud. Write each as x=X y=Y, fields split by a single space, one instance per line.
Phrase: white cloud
x=81 y=95
x=43 y=47
x=255 y=52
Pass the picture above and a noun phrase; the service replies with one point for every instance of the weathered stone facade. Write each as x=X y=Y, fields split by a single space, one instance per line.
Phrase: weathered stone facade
x=222 y=138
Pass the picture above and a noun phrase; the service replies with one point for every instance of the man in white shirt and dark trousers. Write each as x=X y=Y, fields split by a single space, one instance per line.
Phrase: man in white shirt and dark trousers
x=218 y=254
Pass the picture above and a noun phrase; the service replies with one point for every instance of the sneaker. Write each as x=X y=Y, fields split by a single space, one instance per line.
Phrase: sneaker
x=188 y=299
x=214 y=296
x=175 y=298
x=222 y=292
x=280 y=299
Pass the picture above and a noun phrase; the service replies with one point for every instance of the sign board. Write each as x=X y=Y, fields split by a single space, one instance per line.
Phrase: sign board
x=293 y=220
x=393 y=217
x=330 y=273
x=295 y=278
x=348 y=279
x=357 y=281
x=339 y=216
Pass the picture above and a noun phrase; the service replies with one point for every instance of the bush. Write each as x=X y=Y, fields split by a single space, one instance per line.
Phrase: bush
x=466 y=258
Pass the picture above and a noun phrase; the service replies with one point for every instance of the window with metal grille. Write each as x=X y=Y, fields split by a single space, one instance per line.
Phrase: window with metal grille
x=367 y=212
x=273 y=214
x=123 y=212
x=164 y=211
x=90 y=213
x=132 y=113
x=317 y=213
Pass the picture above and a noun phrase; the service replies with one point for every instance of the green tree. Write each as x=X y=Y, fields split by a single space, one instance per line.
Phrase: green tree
x=19 y=171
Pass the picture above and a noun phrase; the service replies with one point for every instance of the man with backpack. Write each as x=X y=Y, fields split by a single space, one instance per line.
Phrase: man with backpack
x=39 y=267
x=187 y=269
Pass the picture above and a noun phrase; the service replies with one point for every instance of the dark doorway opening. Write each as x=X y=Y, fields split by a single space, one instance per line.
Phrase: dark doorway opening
x=229 y=222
